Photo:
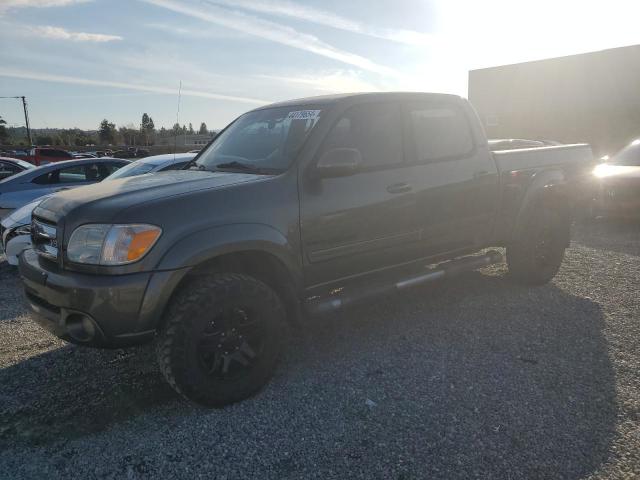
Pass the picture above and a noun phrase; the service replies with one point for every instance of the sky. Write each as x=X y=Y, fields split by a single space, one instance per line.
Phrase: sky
x=79 y=61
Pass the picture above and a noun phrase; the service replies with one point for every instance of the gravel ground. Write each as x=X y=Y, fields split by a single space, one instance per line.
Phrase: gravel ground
x=472 y=378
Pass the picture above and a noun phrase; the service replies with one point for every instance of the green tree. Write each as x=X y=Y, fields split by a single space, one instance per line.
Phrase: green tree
x=4 y=135
x=147 y=127
x=83 y=139
x=203 y=129
x=44 y=140
x=130 y=135
x=191 y=130
x=107 y=132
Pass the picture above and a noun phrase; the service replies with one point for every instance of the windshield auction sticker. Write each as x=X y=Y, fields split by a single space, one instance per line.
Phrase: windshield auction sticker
x=304 y=115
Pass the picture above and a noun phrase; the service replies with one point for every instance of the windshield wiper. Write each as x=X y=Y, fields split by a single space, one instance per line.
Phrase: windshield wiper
x=189 y=164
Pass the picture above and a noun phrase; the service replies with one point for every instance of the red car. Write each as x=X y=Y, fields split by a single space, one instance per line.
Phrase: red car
x=618 y=184
x=43 y=155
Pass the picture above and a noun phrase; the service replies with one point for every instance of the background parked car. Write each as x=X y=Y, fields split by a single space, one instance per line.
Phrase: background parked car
x=12 y=166
x=28 y=185
x=618 y=184
x=15 y=231
x=43 y=155
x=156 y=163
x=131 y=152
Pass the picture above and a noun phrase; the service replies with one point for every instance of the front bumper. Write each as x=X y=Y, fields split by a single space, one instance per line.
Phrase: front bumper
x=108 y=311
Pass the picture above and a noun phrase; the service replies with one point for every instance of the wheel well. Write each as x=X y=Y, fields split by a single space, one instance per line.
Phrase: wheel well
x=556 y=200
x=261 y=265
x=552 y=199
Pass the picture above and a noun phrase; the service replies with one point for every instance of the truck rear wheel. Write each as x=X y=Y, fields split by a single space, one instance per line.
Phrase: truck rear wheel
x=535 y=257
x=222 y=338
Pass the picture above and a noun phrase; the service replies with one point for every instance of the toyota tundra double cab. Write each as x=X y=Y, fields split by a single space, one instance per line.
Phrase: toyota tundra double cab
x=295 y=209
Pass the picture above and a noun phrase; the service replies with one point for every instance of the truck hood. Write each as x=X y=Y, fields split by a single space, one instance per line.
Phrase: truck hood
x=122 y=193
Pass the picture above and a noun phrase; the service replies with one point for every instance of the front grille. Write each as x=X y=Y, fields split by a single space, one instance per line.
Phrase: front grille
x=44 y=237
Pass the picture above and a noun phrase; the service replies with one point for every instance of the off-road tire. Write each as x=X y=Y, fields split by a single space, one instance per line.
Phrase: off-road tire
x=186 y=319
x=523 y=255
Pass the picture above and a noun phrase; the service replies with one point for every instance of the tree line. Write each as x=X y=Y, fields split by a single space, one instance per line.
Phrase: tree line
x=146 y=134
x=107 y=134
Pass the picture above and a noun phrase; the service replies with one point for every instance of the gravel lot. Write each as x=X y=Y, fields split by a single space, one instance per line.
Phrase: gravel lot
x=472 y=378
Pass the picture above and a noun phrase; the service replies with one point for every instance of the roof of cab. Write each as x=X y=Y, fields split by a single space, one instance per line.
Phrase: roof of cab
x=370 y=96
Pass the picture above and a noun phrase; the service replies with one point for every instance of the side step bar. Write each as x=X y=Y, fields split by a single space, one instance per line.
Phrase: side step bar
x=446 y=269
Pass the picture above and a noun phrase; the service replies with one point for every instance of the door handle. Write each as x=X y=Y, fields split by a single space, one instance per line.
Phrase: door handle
x=399 y=188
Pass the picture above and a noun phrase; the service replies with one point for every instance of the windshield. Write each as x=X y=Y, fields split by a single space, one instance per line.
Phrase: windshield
x=628 y=156
x=131 y=170
x=262 y=141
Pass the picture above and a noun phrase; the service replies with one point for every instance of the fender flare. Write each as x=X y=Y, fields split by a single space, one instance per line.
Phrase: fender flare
x=549 y=188
x=201 y=246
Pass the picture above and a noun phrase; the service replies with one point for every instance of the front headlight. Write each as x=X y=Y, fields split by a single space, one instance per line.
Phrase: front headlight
x=100 y=244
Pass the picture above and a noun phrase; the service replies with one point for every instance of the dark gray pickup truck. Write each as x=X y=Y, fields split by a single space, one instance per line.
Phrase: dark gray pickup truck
x=297 y=208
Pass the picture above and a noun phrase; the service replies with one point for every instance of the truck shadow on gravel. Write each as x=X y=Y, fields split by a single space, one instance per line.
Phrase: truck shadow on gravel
x=478 y=377
x=473 y=376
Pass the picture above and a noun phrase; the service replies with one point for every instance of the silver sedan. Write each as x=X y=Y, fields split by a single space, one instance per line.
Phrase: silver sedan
x=22 y=188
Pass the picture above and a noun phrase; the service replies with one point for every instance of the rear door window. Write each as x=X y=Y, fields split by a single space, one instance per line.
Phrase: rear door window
x=438 y=132
x=374 y=129
x=7 y=169
x=76 y=174
x=92 y=172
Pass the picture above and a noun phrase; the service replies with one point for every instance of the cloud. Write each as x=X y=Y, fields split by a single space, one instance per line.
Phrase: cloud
x=193 y=32
x=59 y=33
x=45 y=77
x=328 y=82
x=285 y=8
x=271 y=31
x=12 y=4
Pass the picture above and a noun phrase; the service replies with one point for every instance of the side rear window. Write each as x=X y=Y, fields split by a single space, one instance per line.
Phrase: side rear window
x=45 y=179
x=372 y=128
x=8 y=168
x=439 y=132
x=92 y=172
x=75 y=174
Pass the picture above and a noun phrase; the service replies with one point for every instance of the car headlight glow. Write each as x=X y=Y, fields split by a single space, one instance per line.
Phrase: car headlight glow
x=102 y=244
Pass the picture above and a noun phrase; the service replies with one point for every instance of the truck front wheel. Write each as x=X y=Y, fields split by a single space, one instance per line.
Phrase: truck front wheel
x=535 y=257
x=222 y=337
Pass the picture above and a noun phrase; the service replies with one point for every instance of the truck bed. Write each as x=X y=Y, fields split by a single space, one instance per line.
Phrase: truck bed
x=576 y=155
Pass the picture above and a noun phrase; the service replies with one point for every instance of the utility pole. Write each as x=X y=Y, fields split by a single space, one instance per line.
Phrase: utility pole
x=26 y=120
x=26 y=117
